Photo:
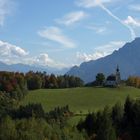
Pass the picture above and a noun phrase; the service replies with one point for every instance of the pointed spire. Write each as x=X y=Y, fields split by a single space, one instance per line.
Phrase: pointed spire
x=117 y=68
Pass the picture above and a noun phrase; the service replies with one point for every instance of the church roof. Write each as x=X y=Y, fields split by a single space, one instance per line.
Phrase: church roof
x=111 y=77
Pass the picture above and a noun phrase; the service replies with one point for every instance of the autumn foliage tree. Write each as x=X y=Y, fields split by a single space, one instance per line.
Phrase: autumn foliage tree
x=13 y=84
x=133 y=81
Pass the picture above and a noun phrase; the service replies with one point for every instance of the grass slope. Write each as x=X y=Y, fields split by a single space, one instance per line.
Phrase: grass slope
x=80 y=99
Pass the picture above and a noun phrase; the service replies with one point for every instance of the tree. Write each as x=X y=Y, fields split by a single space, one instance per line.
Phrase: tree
x=117 y=116
x=128 y=110
x=53 y=81
x=100 y=77
x=34 y=80
x=8 y=129
x=105 y=130
x=13 y=84
x=90 y=124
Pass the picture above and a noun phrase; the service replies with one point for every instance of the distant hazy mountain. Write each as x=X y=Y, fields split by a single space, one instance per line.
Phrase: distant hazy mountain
x=25 y=68
x=127 y=57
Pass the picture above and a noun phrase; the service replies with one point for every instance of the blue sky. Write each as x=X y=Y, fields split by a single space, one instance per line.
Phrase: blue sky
x=63 y=33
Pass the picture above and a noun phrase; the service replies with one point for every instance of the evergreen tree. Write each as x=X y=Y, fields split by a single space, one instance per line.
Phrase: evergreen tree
x=117 y=116
x=106 y=130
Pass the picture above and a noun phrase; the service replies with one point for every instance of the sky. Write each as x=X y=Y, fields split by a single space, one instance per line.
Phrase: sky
x=64 y=33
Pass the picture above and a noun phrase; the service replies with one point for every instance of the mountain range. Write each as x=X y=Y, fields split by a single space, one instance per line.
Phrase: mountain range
x=127 y=58
x=25 y=68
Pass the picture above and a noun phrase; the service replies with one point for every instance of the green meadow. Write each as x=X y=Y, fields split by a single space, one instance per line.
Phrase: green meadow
x=80 y=100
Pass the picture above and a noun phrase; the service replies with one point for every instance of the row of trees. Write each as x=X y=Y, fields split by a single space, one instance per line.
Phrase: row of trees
x=36 y=80
x=111 y=124
x=16 y=85
x=57 y=116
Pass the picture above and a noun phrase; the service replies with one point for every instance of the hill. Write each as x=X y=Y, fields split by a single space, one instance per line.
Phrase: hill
x=126 y=57
x=80 y=99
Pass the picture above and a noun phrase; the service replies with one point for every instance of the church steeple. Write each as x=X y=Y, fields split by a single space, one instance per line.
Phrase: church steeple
x=117 y=70
x=118 y=77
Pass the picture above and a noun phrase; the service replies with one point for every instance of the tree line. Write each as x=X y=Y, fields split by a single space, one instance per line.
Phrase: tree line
x=16 y=85
x=36 y=80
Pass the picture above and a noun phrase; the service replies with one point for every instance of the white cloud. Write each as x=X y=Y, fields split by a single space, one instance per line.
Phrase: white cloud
x=56 y=35
x=10 y=50
x=12 y=54
x=100 y=3
x=44 y=60
x=5 y=10
x=132 y=22
x=87 y=57
x=98 y=30
x=135 y=7
x=110 y=47
x=72 y=18
x=91 y=3
x=100 y=51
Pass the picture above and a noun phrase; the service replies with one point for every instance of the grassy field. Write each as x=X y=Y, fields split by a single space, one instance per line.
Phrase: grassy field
x=80 y=99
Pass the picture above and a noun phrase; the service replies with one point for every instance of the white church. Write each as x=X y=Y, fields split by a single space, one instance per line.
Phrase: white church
x=113 y=80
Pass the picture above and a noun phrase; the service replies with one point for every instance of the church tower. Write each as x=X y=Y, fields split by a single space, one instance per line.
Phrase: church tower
x=118 y=76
